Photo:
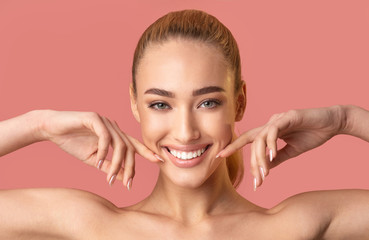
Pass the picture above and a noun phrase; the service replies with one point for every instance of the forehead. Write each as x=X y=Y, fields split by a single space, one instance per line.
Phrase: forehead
x=180 y=64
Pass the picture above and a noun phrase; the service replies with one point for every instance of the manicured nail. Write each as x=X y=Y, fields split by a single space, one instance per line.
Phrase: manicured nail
x=129 y=184
x=112 y=179
x=158 y=157
x=270 y=155
x=262 y=173
x=218 y=155
x=99 y=164
x=254 y=184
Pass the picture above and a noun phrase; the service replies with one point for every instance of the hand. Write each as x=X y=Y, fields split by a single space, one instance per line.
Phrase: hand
x=87 y=136
x=302 y=130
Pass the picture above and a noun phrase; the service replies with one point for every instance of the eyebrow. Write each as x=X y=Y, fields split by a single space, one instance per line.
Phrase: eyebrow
x=197 y=92
x=160 y=92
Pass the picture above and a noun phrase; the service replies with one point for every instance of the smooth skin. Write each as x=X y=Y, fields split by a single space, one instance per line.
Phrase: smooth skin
x=195 y=203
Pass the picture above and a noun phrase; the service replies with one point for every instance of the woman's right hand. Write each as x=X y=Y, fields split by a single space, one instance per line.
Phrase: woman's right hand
x=87 y=136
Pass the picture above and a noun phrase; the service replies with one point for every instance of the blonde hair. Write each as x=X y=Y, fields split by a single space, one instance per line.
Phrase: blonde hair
x=196 y=25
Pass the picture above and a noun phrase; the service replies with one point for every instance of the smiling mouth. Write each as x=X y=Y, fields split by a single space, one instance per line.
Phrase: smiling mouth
x=186 y=155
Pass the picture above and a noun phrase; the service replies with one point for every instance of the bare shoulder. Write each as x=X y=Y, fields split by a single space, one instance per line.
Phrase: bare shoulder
x=326 y=214
x=62 y=213
x=81 y=196
x=84 y=212
x=68 y=197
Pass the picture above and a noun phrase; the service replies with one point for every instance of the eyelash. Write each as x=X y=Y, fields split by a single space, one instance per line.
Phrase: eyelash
x=154 y=105
x=213 y=101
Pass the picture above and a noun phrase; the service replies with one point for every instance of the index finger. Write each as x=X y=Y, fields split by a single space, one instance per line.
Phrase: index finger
x=96 y=124
x=142 y=150
x=238 y=143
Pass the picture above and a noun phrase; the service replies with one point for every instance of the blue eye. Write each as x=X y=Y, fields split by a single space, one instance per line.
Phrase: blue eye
x=159 y=106
x=211 y=103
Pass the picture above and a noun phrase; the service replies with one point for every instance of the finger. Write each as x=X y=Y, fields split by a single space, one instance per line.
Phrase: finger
x=260 y=154
x=272 y=142
x=286 y=121
x=240 y=142
x=284 y=154
x=119 y=150
x=129 y=162
x=129 y=169
x=105 y=167
x=96 y=124
x=142 y=150
x=254 y=168
x=274 y=117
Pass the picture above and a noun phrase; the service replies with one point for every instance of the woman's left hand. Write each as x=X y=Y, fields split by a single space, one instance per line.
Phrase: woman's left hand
x=302 y=130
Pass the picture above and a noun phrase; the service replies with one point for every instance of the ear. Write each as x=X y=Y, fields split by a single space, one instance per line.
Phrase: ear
x=241 y=102
x=134 y=103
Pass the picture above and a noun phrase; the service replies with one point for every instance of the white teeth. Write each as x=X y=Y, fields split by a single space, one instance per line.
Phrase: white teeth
x=187 y=155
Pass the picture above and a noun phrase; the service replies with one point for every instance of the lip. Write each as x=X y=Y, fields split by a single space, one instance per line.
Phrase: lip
x=189 y=162
x=187 y=148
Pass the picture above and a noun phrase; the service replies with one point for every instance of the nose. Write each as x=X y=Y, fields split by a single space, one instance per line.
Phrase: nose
x=185 y=127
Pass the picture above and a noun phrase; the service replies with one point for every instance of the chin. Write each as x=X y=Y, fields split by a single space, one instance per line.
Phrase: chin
x=187 y=180
x=191 y=178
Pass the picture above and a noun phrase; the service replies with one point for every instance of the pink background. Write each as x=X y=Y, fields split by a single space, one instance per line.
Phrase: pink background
x=77 y=55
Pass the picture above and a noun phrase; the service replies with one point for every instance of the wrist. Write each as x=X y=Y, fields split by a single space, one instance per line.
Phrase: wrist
x=37 y=121
x=346 y=118
x=339 y=117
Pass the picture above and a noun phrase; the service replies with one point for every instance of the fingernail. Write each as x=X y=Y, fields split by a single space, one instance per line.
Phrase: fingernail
x=262 y=173
x=218 y=155
x=99 y=164
x=112 y=179
x=158 y=157
x=129 y=184
x=254 y=184
x=270 y=155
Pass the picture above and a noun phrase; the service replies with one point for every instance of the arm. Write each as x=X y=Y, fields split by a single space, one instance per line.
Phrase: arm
x=40 y=213
x=61 y=213
x=19 y=132
x=85 y=135
x=302 y=130
x=356 y=122
x=334 y=214
x=342 y=214
x=350 y=208
x=350 y=214
x=51 y=213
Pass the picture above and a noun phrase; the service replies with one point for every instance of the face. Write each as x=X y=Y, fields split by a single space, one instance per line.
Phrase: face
x=186 y=106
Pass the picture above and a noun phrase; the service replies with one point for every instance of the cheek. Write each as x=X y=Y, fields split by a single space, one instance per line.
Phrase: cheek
x=219 y=127
x=152 y=129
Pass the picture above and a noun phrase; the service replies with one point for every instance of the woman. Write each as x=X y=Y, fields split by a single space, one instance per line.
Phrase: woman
x=186 y=93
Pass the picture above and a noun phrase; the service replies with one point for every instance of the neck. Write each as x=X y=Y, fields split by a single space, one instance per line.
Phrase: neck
x=190 y=205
